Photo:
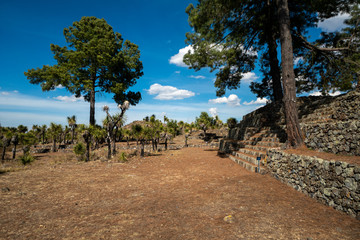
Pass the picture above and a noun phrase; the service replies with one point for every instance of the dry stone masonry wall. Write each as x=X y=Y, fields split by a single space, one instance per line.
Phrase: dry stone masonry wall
x=335 y=128
x=333 y=183
x=338 y=138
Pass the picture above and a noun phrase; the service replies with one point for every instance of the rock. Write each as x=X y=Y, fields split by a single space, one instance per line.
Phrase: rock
x=357 y=177
x=344 y=165
x=5 y=189
x=349 y=172
x=338 y=170
x=335 y=191
x=351 y=184
x=229 y=219
x=327 y=192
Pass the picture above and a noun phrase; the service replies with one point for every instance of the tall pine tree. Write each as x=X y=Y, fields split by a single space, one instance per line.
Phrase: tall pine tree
x=97 y=59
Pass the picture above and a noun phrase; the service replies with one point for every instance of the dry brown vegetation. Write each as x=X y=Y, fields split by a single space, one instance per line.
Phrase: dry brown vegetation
x=178 y=194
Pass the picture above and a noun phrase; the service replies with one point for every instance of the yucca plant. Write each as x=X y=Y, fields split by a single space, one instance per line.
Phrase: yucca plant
x=80 y=150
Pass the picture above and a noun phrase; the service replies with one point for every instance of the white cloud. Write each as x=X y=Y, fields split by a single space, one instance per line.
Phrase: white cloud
x=249 y=77
x=213 y=112
x=177 y=59
x=16 y=109
x=5 y=93
x=197 y=77
x=333 y=24
x=59 y=87
x=232 y=100
x=169 y=92
x=298 y=60
x=258 y=101
x=177 y=72
x=318 y=93
x=69 y=99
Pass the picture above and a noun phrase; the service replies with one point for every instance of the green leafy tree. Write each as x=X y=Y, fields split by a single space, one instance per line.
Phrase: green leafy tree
x=142 y=134
x=27 y=140
x=72 y=124
x=228 y=33
x=36 y=129
x=43 y=130
x=156 y=128
x=173 y=127
x=333 y=61
x=99 y=135
x=96 y=60
x=204 y=121
x=231 y=122
x=54 y=132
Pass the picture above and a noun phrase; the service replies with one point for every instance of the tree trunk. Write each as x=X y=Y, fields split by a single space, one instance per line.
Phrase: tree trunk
x=14 y=151
x=3 y=153
x=109 y=147
x=156 y=144
x=142 y=152
x=153 y=144
x=293 y=130
x=88 y=149
x=6 y=143
x=54 y=145
x=273 y=60
x=166 y=144
x=72 y=135
x=114 y=145
x=92 y=100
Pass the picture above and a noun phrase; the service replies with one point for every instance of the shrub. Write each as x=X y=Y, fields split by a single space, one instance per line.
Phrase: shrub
x=123 y=157
x=27 y=159
x=80 y=150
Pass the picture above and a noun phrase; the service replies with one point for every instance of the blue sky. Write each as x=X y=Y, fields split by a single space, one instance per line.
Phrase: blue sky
x=158 y=27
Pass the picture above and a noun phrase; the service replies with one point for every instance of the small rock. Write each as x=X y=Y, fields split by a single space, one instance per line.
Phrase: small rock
x=5 y=189
x=357 y=177
x=327 y=192
x=351 y=184
x=338 y=170
x=229 y=219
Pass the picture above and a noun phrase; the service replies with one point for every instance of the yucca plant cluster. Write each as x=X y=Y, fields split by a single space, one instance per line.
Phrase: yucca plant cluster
x=83 y=139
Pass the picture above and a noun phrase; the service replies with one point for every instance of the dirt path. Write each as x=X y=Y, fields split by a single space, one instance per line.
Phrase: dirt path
x=180 y=194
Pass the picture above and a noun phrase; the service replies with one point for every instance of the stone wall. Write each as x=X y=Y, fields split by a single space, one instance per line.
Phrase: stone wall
x=335 y=127
x=330 y=124
x=333 y=183
x=341 y=137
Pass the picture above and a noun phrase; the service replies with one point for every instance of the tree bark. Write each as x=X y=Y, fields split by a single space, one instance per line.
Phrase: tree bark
x=72 y=135
x=166 y=144
x=92 y=100
x=6 y=143
x=54 y=145
x=142 y=152
x=109 y=147
x=273 y=60
x=293 y=130
x=14 y=152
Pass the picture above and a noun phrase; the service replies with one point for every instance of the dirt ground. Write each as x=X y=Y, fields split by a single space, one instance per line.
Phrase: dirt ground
x=179 y=194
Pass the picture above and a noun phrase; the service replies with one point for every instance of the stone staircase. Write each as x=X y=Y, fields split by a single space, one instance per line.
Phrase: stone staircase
x=256 y=145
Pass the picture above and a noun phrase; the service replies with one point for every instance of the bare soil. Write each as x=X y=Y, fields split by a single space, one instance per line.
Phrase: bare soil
x=179 y=194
